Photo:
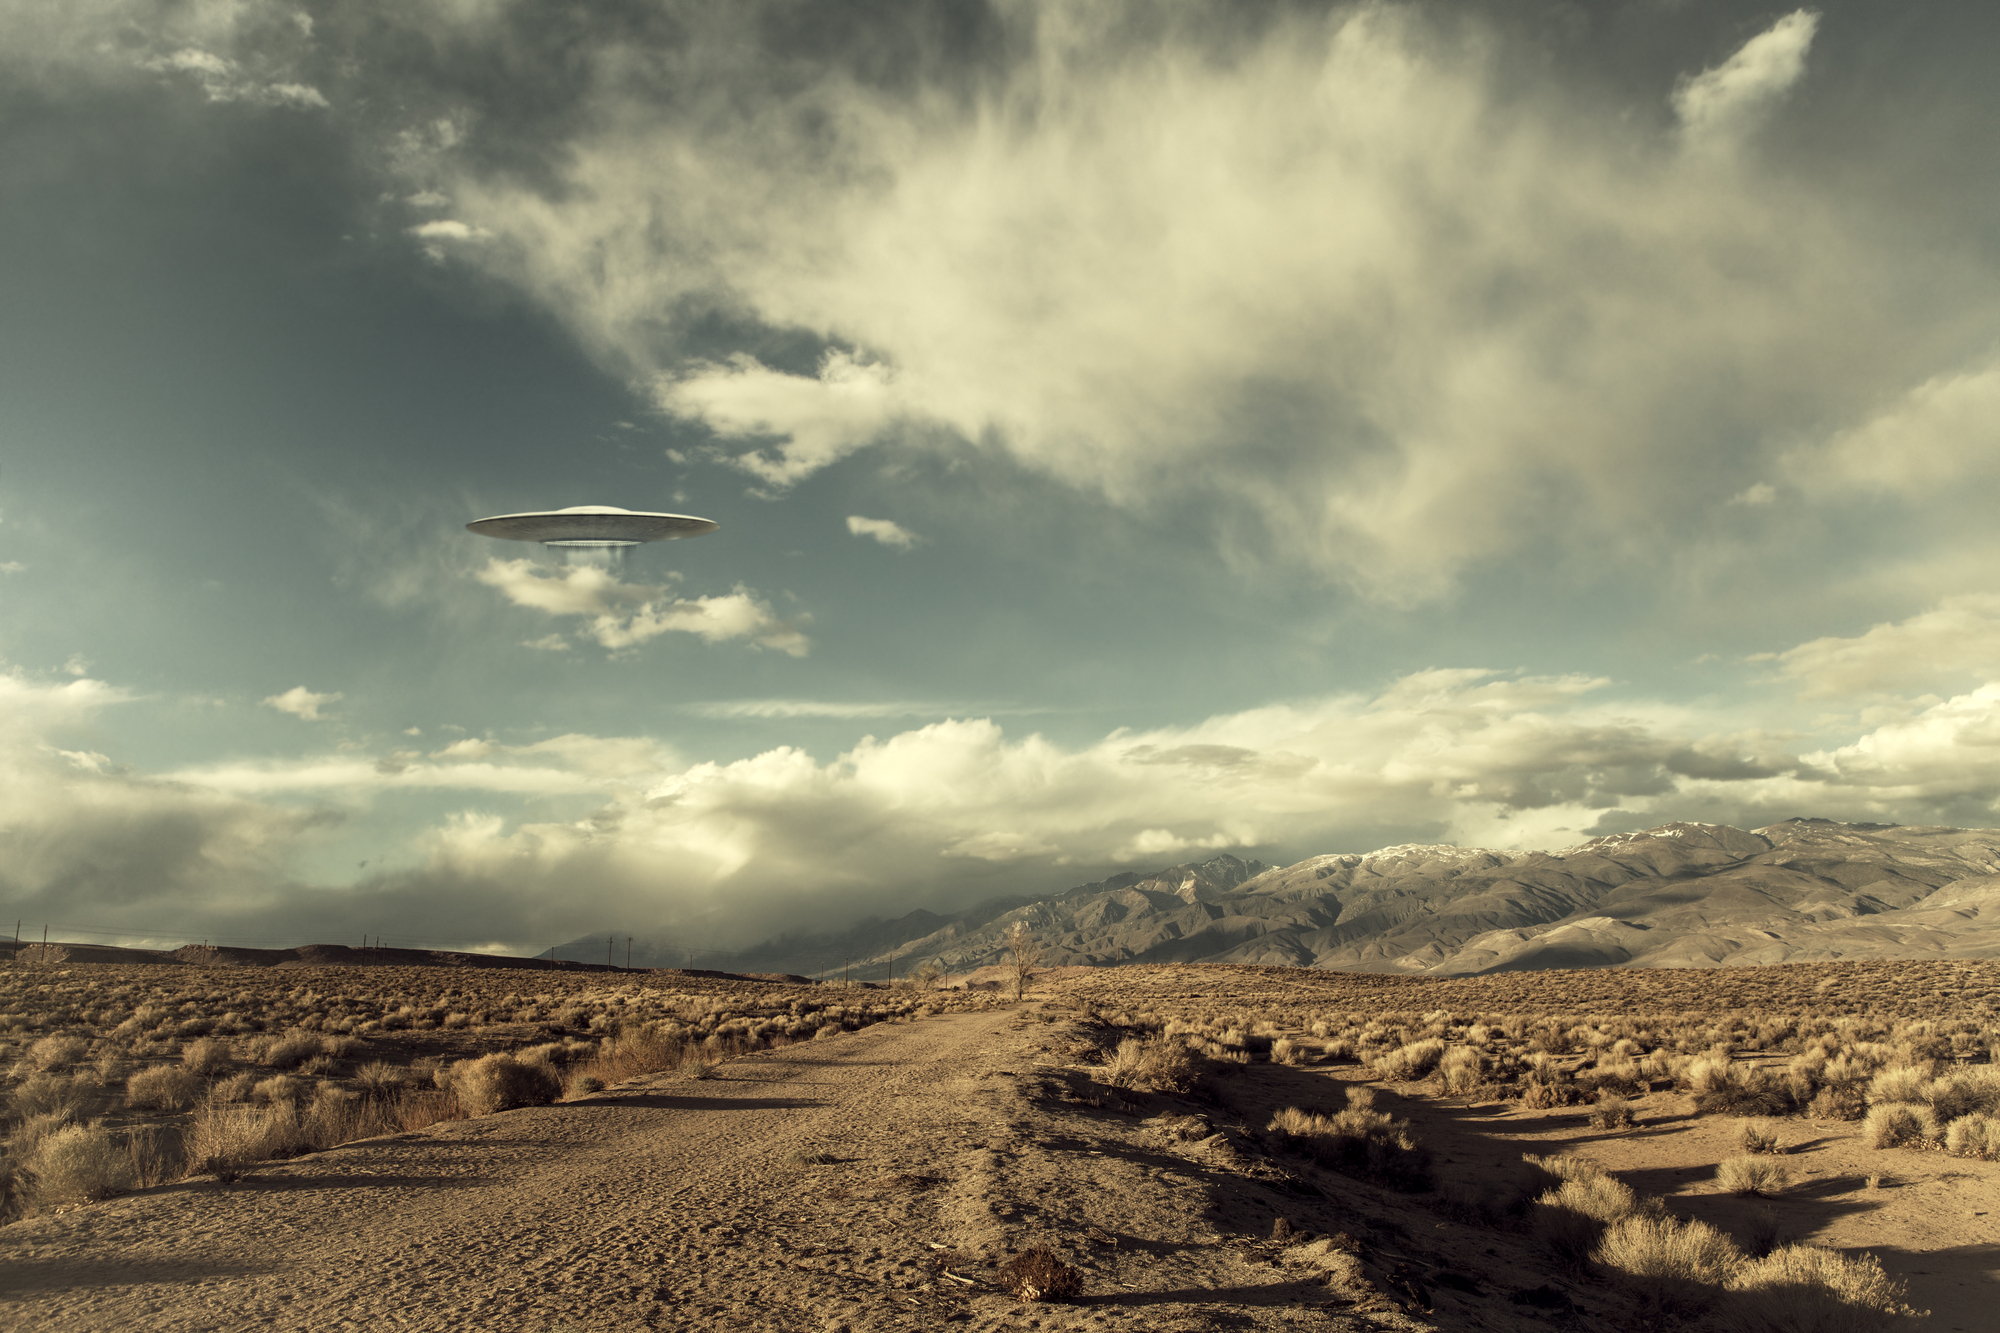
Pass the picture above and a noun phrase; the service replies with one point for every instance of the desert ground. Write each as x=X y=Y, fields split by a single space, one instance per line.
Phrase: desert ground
x=885 y=1176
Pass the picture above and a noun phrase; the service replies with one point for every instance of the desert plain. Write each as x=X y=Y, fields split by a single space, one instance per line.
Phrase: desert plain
x=1172 y=1147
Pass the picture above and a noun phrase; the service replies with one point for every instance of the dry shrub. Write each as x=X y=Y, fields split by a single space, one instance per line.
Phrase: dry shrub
x=1036 y=1274
x=1121 y=1066
x=42 y=1094
x=1758 y=1138
x=1571 y=1218
x=1154 y=1064
x=379 y=1078
x=1461 y=1070
x=500 y=1083
x=1359 y=1140
x=1902 y=1084
x=1891 y=1124
x=1611 y=1113
x=278 y=1088
x=1838 y=1102
x=1806 y=1289
x=154 y=1154
x=294 y=1048
x=1410 y=1062
x=30 y=1132
x=1672 y=1266
x=222 y=1139
x=205 y=1057
x=77 y=1163
x=632 y=1054
x=53 y=1053
x=1968 y=1092
x=163 y=1087
x=235 y=1088
x=1973 y=1136
x=1752 y=1174
x=1288 y=1052
x=1741 y=1090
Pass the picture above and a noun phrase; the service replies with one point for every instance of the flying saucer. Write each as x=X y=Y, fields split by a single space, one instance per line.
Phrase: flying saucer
x=592 y=527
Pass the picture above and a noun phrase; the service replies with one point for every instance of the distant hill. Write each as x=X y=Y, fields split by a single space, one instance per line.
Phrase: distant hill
x=1680 y=895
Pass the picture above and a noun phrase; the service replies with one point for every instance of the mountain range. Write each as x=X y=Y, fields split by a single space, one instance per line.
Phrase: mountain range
x=1680 y=895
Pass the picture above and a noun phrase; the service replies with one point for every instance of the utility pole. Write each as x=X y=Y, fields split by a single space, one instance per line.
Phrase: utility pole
x=628 y=953
x=607 y=949
x=843 y=972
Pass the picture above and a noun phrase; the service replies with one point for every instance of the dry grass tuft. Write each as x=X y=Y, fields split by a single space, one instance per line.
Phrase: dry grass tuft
x=500 y=1083
x=1611 y=1113
x=163 y=1087
x=1761 y=1138
x=78 y=1163
x=44 y=1094
x=1036 y=1274
x=1672 y=1266
x=1805 y=1289
x=1359 y=1140
x=205 y=1056
x=1752 y=1174
x=1571 y=1218
x=55 y=1053
x=1892 y=1123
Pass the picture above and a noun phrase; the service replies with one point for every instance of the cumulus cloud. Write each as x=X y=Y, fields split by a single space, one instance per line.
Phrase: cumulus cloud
x=81 y=832
x=301 y=702
x=555 y=832
x=1943 y=431
x=624 y=615
x=446 y=229
x=1957 y=640
x=886 y=531
x=1720 y=106
x=1334 y=278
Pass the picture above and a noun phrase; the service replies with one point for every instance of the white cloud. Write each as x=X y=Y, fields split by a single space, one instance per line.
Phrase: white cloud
x=886 y=531
x=223 y=80
x=623 y=615
x=1755 y=496
x=78 y=665
x=548 y=643
x=301 y=702
x=1340 y=283
x=1958 y=640
x=11 y=567
x=1943 y=431
x=818 y=420
x=938 y=814
x=447 y=229
x=1719 y=106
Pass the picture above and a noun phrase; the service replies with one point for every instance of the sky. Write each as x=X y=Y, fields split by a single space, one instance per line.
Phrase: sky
x=1138 y=433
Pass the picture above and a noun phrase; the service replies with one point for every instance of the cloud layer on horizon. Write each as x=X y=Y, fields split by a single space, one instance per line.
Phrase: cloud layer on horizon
x=936 y=815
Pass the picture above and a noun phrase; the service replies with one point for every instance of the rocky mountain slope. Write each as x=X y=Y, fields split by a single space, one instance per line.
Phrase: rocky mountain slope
x=1681 y=895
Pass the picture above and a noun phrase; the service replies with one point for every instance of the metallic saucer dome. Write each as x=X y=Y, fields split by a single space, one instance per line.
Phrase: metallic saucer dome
x=591 y=525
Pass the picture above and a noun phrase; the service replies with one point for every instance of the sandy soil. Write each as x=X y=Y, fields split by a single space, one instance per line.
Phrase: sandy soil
x=953 y=1142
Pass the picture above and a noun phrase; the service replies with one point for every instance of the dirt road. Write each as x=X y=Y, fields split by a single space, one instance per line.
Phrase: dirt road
x=673 y=1203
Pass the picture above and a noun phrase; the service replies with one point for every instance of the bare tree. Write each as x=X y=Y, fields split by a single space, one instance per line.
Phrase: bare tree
x=1024 y=954
x=928 y=974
